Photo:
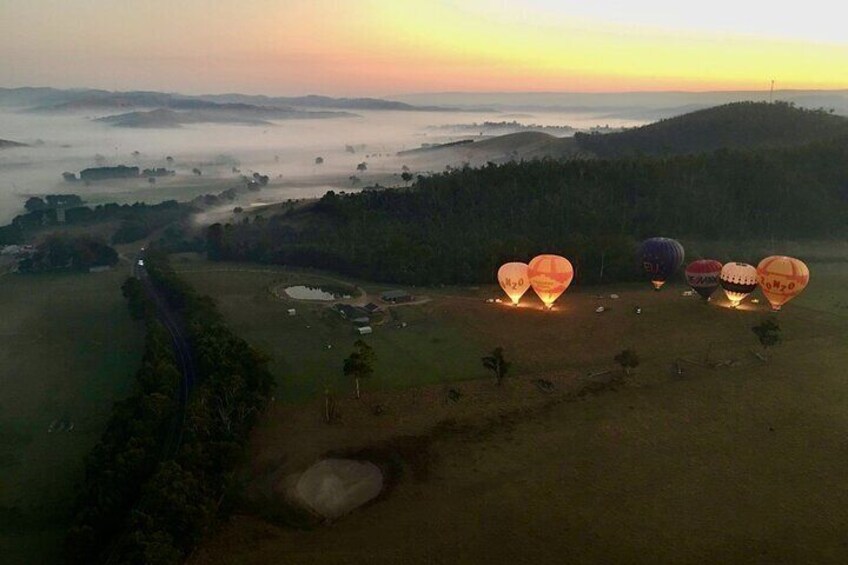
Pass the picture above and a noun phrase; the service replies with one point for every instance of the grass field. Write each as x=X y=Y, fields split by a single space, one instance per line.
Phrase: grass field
x=741 y=464
x=69 y=351
x=307 y=350
x=445 y=338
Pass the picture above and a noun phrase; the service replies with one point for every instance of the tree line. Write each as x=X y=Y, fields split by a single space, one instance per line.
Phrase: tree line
x=63 y=251
x=460 y=226
x=173 y=498
x=136 y=220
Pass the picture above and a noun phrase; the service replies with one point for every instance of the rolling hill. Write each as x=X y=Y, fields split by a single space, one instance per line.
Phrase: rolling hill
x=218 y=114
x=519 y=146
x=7 y=144
x=741 y=125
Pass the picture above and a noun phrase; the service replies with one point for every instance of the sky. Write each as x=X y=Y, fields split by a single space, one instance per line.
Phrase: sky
x=385 y=47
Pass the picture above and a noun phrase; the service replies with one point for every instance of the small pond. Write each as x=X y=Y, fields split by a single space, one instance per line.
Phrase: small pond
x=304 y=292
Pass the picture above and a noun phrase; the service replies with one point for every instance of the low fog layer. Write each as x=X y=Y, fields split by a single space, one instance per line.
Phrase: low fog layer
x=285 y=150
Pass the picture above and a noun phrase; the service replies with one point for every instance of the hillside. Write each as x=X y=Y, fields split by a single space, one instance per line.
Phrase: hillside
x=457 y=227
x=500 y=149
x=741 y=125
x=7 y=144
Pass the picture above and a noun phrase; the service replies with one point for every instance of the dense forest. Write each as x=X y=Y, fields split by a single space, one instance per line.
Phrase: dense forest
x=458 y=227
x=142 y=502
x=741 y=125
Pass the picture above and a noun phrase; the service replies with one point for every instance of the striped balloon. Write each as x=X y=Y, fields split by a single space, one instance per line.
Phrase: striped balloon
x=660 y=257
x=738 y=281
x=702 y=275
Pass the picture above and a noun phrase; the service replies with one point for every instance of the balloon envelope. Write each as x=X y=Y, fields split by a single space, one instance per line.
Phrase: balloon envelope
x=702 y=275
x=514 y=280
x=660 y=257
x=738 y=281
x=549 y=276
x=782 y=279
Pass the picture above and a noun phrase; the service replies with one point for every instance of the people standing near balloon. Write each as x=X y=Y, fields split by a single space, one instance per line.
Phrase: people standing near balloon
x=738 y=281
x=660 y=258
x=781 y=279
x=703 y=276
x=514 y=280
x=549 y=276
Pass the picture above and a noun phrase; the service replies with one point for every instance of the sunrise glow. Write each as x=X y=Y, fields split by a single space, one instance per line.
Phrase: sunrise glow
x=383 y=47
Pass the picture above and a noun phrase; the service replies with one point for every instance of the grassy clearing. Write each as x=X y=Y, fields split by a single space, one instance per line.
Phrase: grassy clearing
x=69 y=351
x=742 y=464
x=445 y=338
x=307 y=350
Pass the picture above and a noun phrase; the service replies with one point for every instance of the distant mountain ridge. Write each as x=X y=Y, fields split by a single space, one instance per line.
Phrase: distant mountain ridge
x=219 y=114
x=45 y=99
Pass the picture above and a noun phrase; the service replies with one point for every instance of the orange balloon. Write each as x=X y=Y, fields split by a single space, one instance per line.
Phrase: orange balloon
x=782 y=279
x=549 y=276
x=514 y=280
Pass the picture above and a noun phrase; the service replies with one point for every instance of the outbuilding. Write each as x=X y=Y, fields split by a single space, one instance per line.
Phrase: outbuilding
x=396 y=296
x=364 y=330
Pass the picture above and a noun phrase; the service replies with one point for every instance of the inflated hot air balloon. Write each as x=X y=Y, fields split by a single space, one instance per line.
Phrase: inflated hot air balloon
x=514 y=280
x=549 y=276
x=660 y=257
x=782 y=279
x=702 y=275
x=738 y=281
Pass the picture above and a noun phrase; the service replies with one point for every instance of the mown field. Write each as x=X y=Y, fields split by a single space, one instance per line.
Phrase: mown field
x=738 y=464
x=69 y=351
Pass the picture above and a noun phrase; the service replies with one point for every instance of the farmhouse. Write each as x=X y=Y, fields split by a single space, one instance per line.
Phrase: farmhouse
x=396 y=296
x=372 y=308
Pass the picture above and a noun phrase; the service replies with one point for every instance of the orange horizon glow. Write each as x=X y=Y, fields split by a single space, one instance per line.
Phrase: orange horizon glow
x=374 y=47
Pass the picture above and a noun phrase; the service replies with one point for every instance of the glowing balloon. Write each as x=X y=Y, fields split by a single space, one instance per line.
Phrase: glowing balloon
x=514 y=280
x=549 y=276
x=661 y=257
x=782 y=279
x=738 y=281
x=702 y=275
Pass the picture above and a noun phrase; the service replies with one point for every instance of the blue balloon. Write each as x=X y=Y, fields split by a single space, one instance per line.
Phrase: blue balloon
x=660 y=258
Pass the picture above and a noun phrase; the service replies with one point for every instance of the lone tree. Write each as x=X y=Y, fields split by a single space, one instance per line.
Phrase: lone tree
x=363 y=166
x=768 y=332
x=360 y=363
x=628 y=359
x=406 y=176
x=497 y=364
x=319 y=160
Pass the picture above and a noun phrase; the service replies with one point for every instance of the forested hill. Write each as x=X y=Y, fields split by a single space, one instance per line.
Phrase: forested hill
x=742 y=125
x=459 y=227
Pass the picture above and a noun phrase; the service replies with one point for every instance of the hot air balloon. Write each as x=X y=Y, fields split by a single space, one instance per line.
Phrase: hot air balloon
x=514 y=280
x=702 y=275
x=782 y=279
x=549 y=276
x=660 y=257
x=738 y=281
